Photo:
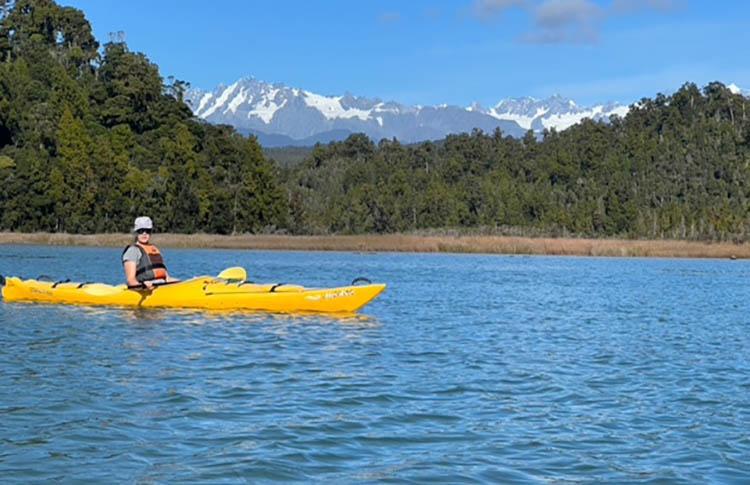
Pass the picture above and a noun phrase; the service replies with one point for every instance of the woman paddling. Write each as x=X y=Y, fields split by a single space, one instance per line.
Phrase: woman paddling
x=143 y=263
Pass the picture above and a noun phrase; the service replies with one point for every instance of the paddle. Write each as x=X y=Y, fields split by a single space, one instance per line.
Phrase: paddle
x=235 y=273
x=103 y=289
x=142 y=286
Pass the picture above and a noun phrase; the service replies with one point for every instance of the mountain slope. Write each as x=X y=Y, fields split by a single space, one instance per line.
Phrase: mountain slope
x=554 y=112
x=284 y=116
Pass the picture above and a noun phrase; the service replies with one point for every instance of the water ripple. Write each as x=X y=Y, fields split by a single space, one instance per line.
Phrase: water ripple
x=468 y=369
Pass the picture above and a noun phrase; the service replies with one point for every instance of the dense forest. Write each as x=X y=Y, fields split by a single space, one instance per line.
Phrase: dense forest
x=92 y=136
x=675 y=167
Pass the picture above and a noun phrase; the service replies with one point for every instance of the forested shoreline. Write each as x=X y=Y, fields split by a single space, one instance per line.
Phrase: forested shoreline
x=92 y=136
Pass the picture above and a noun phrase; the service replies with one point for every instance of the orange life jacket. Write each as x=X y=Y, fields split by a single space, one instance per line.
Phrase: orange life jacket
x=150 y=265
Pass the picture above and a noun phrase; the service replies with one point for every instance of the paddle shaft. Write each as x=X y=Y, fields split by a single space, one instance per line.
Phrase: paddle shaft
x=142 y=286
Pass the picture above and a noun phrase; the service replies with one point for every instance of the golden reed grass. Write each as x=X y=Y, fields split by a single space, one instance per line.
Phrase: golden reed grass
x=408 y=243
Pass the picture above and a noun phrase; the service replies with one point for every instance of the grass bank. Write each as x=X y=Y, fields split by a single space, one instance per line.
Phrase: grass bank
x=408 y=243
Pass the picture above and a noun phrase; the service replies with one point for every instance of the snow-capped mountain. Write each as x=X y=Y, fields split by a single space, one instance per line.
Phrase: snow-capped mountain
x=738 y=90
x=280 y=115
x=554 y=112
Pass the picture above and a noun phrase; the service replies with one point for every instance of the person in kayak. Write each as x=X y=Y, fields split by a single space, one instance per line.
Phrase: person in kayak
x=143 y=263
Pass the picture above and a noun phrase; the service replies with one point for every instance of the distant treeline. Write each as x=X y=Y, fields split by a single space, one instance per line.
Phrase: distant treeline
x=675 y=167
x=91 y=137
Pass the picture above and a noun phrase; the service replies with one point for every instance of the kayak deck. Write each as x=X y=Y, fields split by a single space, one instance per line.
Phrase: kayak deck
x=206 y=292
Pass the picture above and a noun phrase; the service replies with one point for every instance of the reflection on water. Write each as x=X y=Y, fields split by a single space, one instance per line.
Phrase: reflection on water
x=202 y=317
x=469 y=369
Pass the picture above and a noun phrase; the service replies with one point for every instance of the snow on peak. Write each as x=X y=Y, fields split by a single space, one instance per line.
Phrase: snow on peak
x=259 y=106
x=236 y=101
x=203 y=101
x=220 y=100
x=331 y=107
x=553 y=112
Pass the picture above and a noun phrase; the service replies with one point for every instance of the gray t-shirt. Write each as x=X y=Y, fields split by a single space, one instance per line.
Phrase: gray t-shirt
x=132 y=254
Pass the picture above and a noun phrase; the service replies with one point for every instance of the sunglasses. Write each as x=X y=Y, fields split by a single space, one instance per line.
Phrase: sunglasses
x=143 y=231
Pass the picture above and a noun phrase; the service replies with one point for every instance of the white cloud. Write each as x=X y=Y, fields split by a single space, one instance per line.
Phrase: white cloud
x=389 y=17
x=560 y=21
x=484 y=9
x=568 y=21
x=556 y=14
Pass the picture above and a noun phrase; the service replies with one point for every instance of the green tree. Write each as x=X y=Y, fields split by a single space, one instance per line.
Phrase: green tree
x=72 y=178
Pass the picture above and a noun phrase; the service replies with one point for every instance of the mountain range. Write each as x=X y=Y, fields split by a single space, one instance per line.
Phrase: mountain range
x=283 y=116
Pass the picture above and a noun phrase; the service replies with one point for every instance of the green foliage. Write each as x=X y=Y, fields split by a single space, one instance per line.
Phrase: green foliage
x=6 y=163
x=675 y=167
x=72 y=177
x=287 y=156
x=89 y=140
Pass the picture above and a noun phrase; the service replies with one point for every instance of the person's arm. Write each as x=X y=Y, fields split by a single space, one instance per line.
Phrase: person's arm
x=130 y=260
x=130 y=267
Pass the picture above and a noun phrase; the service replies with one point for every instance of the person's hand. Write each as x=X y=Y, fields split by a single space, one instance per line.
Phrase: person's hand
x=149 y=285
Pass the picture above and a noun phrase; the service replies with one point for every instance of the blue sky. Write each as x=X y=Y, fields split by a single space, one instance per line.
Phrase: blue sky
x=432 y=52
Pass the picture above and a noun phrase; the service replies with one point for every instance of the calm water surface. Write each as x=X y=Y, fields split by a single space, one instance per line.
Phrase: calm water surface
x=468 y=369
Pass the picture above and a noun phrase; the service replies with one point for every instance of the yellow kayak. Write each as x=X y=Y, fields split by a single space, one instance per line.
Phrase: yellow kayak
x=207 y=292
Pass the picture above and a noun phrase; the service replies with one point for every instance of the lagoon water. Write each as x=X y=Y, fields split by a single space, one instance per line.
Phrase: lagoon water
x=470 y=368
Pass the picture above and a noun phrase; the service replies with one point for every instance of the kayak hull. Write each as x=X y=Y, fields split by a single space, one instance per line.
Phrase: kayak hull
x=203 y=292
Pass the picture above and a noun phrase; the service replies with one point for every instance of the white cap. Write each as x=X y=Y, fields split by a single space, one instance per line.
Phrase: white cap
x=143 y=222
